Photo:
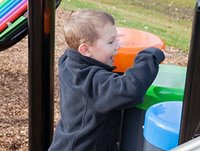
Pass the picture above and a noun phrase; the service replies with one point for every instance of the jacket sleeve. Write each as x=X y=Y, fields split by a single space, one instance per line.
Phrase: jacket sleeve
x=114 y=91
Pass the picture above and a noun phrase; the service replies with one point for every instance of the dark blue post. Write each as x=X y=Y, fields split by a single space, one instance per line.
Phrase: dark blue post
x=190 y=123
x=41 y=73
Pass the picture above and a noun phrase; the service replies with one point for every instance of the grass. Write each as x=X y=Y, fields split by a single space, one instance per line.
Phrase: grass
x=170 y=20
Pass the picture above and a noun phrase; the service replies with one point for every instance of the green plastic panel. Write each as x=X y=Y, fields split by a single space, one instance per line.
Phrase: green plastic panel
x=168 y=86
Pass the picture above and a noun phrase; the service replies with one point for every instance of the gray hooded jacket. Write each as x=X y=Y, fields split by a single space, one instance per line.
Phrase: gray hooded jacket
x=92 y=97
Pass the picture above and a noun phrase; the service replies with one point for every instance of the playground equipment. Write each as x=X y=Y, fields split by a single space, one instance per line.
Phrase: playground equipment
x=168 y=86
x=14 y=21
x=192 y=145
x=132 y=42
x=191 y=82
x=162 y=125
x=41 y=72
x=190 y=119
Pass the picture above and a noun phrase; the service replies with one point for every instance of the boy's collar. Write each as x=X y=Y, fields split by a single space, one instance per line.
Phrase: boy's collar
x=79 y=57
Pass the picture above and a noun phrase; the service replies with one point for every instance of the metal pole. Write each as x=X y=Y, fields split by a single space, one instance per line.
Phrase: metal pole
x=192 y=145
x=190 y=123
x=41 y=73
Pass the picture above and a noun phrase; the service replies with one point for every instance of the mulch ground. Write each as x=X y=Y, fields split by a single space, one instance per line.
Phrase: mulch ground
x=14 y=88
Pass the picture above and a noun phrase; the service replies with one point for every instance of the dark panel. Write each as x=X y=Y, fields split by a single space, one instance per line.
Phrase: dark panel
x=41 y=73
x=191 y=106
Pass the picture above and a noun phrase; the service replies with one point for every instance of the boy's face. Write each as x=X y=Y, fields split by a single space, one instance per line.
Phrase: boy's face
x=106 y=46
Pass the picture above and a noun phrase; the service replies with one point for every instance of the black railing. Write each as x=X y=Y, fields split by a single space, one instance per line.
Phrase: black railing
x=190 y=123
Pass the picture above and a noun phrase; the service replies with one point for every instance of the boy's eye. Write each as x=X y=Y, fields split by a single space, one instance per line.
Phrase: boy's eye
x=111 y=42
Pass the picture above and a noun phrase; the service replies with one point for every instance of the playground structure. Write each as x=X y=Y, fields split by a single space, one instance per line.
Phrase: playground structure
x=132 y=42
x=14 y=21
x=40 y=137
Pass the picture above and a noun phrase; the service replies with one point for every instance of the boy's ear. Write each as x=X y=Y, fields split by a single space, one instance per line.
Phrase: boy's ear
x=83 y=49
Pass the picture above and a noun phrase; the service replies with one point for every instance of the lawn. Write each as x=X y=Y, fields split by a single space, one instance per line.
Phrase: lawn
x=171 y=20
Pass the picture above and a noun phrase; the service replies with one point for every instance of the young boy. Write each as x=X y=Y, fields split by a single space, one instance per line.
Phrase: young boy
x=92 y=96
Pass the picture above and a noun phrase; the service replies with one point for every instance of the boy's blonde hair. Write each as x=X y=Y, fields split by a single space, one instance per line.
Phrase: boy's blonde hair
x=81 y=27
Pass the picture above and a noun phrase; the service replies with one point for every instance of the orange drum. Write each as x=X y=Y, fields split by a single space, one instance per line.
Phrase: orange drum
x=132 y=42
